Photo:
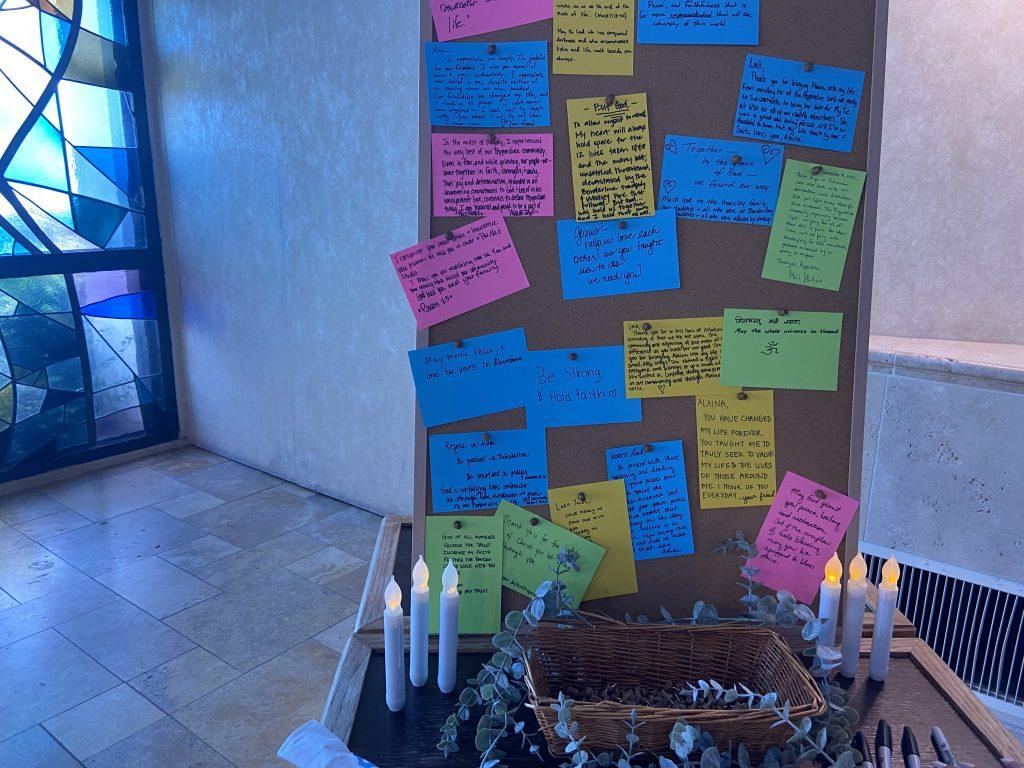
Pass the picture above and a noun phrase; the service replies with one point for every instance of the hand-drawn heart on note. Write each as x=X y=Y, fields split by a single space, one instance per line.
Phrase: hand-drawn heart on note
x=670 y=146
x=669 y=185
x=769 y=153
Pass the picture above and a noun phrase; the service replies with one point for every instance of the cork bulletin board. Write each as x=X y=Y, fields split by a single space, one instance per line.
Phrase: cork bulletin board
x=691 y=90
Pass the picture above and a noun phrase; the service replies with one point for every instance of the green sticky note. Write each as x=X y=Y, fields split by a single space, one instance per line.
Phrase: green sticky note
x=474 y=545
x=795 y=350
x=813 y=224
x=531 y=548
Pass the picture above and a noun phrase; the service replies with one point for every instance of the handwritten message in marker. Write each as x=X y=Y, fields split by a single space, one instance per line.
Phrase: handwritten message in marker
x=611 y=157
x=476 y=550
x=659 y=508
x=573 y=387
x=593 y=37
x=785 y=101
x=795 y=350
x=445 y=277
x=698 y=22
x=669 y=358
x=608 y=258
x=804 y=528
x=813 y=225
x=462 y=18
x=718 y=180
x=469 y=87
x=736 y=449
x=474 y=175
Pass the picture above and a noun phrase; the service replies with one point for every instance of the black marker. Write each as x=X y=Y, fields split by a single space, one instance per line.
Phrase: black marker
x=942 y=747
x=908 y=745
x=883 y=745
x=861 y=745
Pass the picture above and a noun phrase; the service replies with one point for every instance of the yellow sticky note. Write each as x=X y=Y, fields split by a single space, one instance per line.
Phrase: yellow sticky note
x=610 y=146
x=668 y=358
x=597 y=512
x=736 y=449
x=594 y=37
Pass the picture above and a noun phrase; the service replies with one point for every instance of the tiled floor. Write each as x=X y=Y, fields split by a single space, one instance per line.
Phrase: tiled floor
x=180 y=611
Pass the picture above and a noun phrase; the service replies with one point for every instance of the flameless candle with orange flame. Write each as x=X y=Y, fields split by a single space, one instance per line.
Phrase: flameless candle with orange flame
x=394 y=647
x=853 y=615
x=885 y=615
x=448 y=632
x=828 y=601
x=419 y=612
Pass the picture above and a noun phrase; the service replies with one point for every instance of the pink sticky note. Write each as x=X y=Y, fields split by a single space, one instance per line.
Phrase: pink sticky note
x=461 y=18
x=443 y=278
x=475 y=175
x=799 y=536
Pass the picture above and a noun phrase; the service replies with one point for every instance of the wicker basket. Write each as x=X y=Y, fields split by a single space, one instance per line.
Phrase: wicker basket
x=635 y=654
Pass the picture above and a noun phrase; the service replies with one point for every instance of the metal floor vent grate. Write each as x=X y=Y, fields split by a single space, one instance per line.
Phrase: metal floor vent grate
x=978 y=630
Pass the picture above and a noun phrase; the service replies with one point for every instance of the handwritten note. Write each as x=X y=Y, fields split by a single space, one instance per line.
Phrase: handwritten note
x=475 y=547
x=597 y=512
x=611 y=157
x=659 y=508
x=813 y=225
x=798 y=102
x=698 y=22
x=736 y=449
x=608 y=258
x=572 y=387
x=531 y=545
x=474 y=175
x=445 y=277
x=669 y=358
x=717 y=180
x=472 y=377
x=804 y=528
x=797 y=350
x=462 y=18
x=477 y=470
x=470 y=87
x=594 y=37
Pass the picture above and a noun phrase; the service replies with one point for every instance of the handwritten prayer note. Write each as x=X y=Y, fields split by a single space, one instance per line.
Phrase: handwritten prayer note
x=608 y=258
x=668 y=358
x=611 y=157
x=593 y=37
x=698 y=22
x=531 y=545
x=717 y=180
x=572 y=387
x=659 y=508
x=813 y=224
x=472 y=377
x=736 y=449
x=804 y=528
x=477 y=470
x=597 y=512
x=470 y=87
x=462 y=18
x=475 y=547
x=474 y=175
x=447 y=276
x=796 y=102
x=795 y=350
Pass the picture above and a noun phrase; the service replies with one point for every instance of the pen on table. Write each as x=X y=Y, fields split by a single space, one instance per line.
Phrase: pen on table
x=942 y=747
x=861 y=745
x=908 y=745
x=883 y=745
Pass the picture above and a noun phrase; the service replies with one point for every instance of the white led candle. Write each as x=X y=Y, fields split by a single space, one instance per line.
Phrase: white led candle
x=419 y=611
x=828 y=601
x=885 y=615
x=853 y=615
x=448 y=633
x=394 y=647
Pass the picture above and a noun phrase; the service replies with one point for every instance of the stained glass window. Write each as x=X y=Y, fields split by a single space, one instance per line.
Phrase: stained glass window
x=84 y=352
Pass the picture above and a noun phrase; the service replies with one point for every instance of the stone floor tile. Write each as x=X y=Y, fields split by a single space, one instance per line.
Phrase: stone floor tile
x=337 y=636
x=125 y=539
x=43 y=675
x=351 y=583
x=6 y=601
x=35 y=748
x=106 y=497
x=157 y=587
x=47 y=527
x=199 y=552
x=249 y=718
x=125 y=639
x=328 y=565
x=252 y=623
x=229 y=480
x=101 y=722
x=298 y=490
x=165 y=744
x=250 y=564
x=188 y=504
x=31 y=571
x=183 y=680
x=51 y=609
x=351 y=529
x=181 y=461
x=27 y=505
x=12 y=538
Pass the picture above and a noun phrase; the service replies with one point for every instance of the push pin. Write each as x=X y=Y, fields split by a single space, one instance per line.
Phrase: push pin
x=816 y=170
x=736 y=159
x=449 y=236
x=581 y=496
x=486 y=437
x=492 y=137
x=808 y=66
x=648 y=447
x=534 y=521
x=573 y=355
x=609 y=99
x=783 y=312
x=492 y=48
x=622 y=224
x=647 y=326
x=741 y=395
x=819 y=494
x=457 y=525
x=458 y=343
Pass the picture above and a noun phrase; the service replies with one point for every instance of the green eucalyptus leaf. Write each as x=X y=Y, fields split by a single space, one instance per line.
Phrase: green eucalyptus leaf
x=803 y=612
x=482 y=740
x=514 y=620
x=845 y=760
x=811 y=629
x=710 y=758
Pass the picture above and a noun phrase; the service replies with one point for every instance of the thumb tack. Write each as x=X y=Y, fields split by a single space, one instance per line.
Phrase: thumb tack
x=819 y=494
x=486 y=437
x=457 y=524
x=581 y=496
x=647 y=326
x=622 y=224
x=648 y=447
x=573 y=356
x=736 y=159
x=808 y=66
x=534 y=521
x=449 y=236
x=492 y=48
x=816 y=170
x=458 y=343
x=783 y=312
x=492 y=137
x=609 y=99
x=742 y=395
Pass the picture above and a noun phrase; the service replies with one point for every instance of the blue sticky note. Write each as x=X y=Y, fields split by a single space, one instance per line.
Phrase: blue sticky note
x=659 y=507
x=482 y=375
x=572 y=387
x=720 y=180
x=603 y=258
x=479 y=470
x=698 y=22
x=797 y=102
x=471 y=88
